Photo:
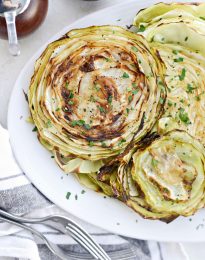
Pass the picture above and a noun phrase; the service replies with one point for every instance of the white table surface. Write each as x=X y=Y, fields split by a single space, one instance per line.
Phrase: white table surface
x=60 y=14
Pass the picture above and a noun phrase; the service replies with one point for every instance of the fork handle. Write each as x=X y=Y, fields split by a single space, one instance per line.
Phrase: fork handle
x=32 y=230
x=52 y=247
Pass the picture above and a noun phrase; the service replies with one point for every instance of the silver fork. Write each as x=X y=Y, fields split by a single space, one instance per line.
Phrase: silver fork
x=60 y=223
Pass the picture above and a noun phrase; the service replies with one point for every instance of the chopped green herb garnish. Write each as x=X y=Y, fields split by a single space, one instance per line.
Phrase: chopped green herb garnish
x=70 y=102
x=66 y=84
x=91 y=143
x=68 y=195
x=35 y=129
x=184 y=116
x=58 y=109
x=96 y=87
x=180 y=59
x=93 y=99
x=52 y=156
x=128 y=110
x=189 y=88
x=135 y=91
x=139 y=61
x=125 y=75
x=78 y=122
x=141 y=28
x=103 y=144
x=48 y=124
x=134 y=48
x=71 y=95
x=161 y=83
x=121 y=142
x=83 y=191
x=107 y=59
x=203 y=18
x=175 y=52
x=154 y=162
x=102 y=110
x=186 y=38
x=197 y=98
x=134 y=85
x=183 y=74
x=161 y=100
x=76 y=196
x=109 y=99
x=87 y=126
x=130 y=98
x=169 y=103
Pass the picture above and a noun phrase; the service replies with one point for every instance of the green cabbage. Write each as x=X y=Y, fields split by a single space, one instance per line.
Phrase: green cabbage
x=167 y=178
x=94 y=92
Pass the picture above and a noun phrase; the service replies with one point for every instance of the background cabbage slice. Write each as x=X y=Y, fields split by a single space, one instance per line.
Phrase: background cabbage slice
x=179 y=23
x=176 y=33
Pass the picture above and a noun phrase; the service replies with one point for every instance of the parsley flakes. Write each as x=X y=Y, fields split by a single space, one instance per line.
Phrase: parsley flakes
x=107 y=59
x=121 y=142
x=130 y=98
x=102 y=110
x=90 y=143
x=161 y=100
x=183 y=116
x=154 y=162
x=175 y=52
x=134 y=49
x=80 y=123
x=125 y=75
x=180 y=59
x=71 y=95
x=48 y=124
x=68 y=194
x=109 y=99
x=190 y=88
x=141 y=28
x=183 y=74
x=70 y=102
x=35 y=129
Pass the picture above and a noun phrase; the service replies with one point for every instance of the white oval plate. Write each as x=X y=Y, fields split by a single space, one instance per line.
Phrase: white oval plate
x=92 y=207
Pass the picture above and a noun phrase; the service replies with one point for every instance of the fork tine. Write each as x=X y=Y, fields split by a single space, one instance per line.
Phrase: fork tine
x=76 y=236
x=88 y=240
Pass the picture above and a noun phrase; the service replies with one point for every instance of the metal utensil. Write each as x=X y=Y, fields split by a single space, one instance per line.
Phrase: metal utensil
x=10 y=9
x=63 y=224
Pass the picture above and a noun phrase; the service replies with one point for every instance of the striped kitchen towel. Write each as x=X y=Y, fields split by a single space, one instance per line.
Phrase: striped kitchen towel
x=19 y=196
